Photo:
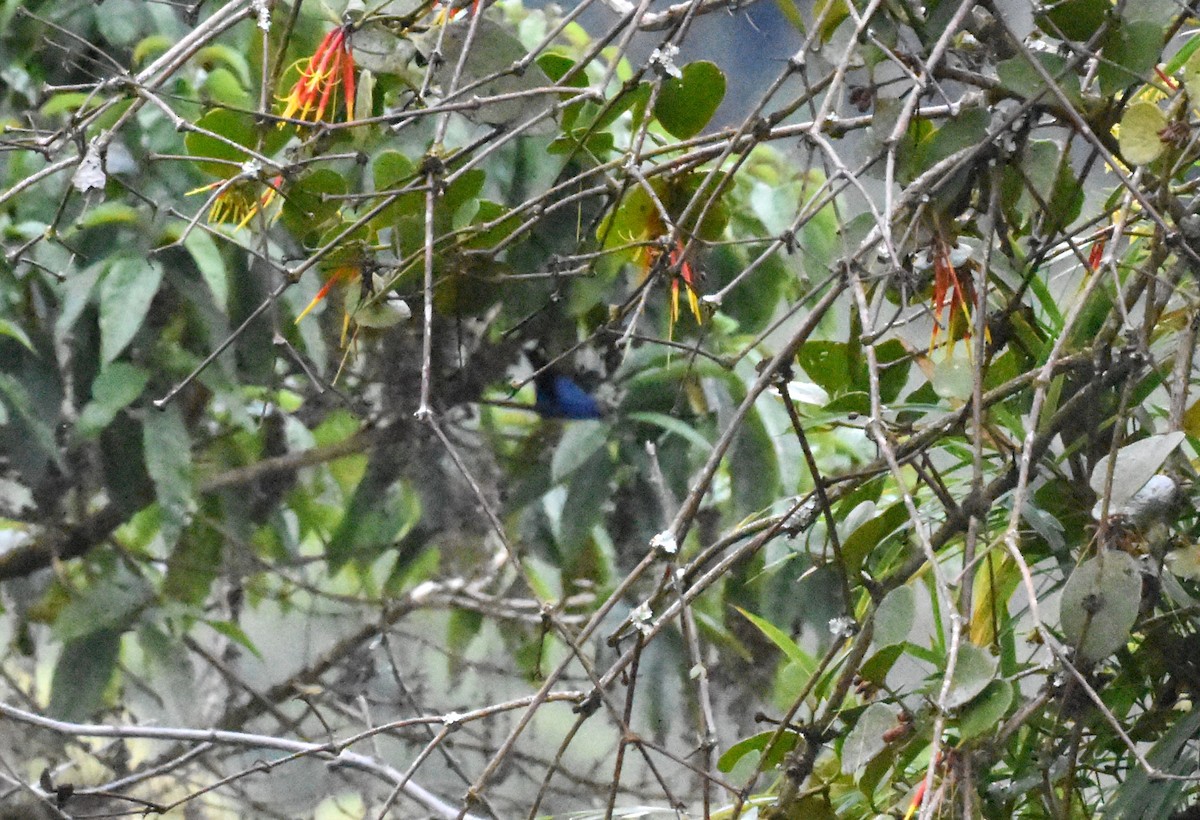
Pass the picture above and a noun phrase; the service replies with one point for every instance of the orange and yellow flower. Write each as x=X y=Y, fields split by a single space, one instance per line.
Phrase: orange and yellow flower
x=689 y=281
x=330 y=68
x=681 y=272
x=948 y=289
x=238 y=202
x=344 y=273
x=1096 y=257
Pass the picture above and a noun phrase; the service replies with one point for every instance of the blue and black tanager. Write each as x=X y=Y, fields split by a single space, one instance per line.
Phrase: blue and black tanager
x=561 y=397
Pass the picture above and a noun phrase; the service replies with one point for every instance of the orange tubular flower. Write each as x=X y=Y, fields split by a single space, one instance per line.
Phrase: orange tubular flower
x=331 y=66
x=689 y=280
x=343 y=273
x=948 y=288
x=1097 y=254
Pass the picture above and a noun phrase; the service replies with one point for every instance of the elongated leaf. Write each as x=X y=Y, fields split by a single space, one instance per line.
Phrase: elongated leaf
x=117 y=386
x=82 y=674
x=674 y=425
x=126 y=292
x=757 y=743
x=865 y=740
x=782 y=640
x=894 y=619
x=207 y=257
x=1141 y=798
x=578 y=443
x=167 y=448
x=1136 y=464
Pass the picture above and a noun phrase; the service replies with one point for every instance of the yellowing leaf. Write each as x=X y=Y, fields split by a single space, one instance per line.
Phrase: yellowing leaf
x=1139 y=138
x=1191 y=77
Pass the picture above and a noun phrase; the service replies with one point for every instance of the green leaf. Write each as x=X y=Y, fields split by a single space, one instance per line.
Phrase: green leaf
x=211 y=264
x=974 y=669
x=391 y=169
x=14 y=331
x=82 y=674
x=35 y=429
x=1048 y=168
x=782 y=640
x=1074 y=19
x=236 y=634
x=790 y=10
x=379 y=515
x=983 y=715
x=588 y=491
x=1183 y=58
x=167 y=448
x=865 y=740
x=869 y=535
x=1131 y=51
x=109 y=213
x=757 y=743
x=77 y=294
x=1136 y=464
x=1100 y=604
x=110 y=603
x=753 y=467
x=1141 y=797
x=169 y=665
x=831 y=13
x=65 y=102
x=461 y=628
x=894 y=618
x=828 y=364
x=578 y=443
x=128 y=288
x=118 y=385
x=238 y=129
x=149 y=47
x=877 y=667
x=1140 y=128
x=894 y=363
x=307 y=209
x=1021 y=78
x=222 y=55
x=686 y=104
x=221 y=86
x=194 y=563
x=670 y=424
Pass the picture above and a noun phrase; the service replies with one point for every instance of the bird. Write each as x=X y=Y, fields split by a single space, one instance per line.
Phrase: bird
x=560 y=397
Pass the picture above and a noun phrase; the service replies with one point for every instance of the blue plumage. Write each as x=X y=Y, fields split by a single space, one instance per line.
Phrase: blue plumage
x=560 y=397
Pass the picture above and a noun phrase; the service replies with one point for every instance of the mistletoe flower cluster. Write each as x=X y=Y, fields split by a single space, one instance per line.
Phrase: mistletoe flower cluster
x=330 y=67
x=236 y=202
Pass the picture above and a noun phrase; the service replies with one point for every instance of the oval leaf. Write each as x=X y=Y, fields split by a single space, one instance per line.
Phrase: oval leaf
x=1136 y=464
x=1140 y=127
x=865 y=740
x=1100 y=604
x=894 y=619
x=985 y=712
x=685 y=105
x=973 y=671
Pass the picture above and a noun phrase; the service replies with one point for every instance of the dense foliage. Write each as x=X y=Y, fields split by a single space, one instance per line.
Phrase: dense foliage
x=412 y=409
